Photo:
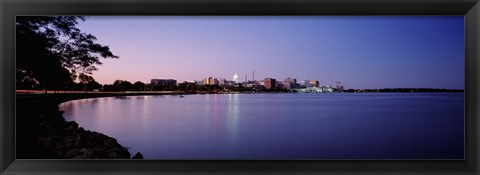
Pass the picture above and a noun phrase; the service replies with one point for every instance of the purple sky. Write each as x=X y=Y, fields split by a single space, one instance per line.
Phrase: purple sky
x=359 y=51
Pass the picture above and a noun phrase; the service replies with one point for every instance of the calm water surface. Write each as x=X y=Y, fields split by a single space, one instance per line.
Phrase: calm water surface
x=280 y=126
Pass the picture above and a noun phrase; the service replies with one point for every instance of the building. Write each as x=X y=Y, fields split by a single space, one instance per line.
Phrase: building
x=205 y=81
x=213 y=81
x=290 y=83
x=231 y=83
x=235 y=78
x=163 y=82
x=314 y=83
x=305 y=83
x=269 y=83
x=280 y=85
x=251 y=84
x=338 y=86
x=222 y=82
x=327 y=89
x=199 y=82
x=210 y=81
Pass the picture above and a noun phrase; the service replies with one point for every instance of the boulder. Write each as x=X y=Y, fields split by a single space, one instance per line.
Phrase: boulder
x=138 y=156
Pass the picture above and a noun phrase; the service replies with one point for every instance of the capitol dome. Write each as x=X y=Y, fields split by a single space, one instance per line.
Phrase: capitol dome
x=235 y=78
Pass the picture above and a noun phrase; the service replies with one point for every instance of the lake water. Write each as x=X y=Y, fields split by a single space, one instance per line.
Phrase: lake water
x=280 y=126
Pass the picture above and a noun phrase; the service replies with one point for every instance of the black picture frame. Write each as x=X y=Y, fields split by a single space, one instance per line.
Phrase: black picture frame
x=10 y=8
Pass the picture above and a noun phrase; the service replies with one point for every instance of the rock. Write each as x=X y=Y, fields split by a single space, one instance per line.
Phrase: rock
x=69 y=144
x=112 y=150
x=79 y=157
x=138 y=156
x=45 y=140
x=70 y=153
x=113 y=155
x=43 y=124
x=96 y=139
x=80 y=142
x=51 y=136
x=59 y=146
x=109 y=143
x=85 y=152
x=59 y=153
x=97 y=148
x=124 y=154
x=49 y=129
x=70 y=127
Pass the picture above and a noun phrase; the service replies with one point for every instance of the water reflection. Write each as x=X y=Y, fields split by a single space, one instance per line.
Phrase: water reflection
x=233 y=117
x=278 y=126
x=122 y=97
x=271 y=118
x=215 y=111
x=141 y=97
x=206 y=110
x=158 y=96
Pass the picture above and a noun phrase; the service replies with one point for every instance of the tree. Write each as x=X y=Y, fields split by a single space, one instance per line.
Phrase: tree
x=108 y=87
x=183 y=86
x=139 y=86
x=51 y=51
x=122 y=85
x=25 y=81
x=88 y=82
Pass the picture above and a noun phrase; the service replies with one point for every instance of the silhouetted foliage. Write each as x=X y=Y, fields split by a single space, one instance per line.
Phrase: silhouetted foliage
x=170 y=87
x=188 y=86
x=88 y=82
x=52 y=52
x=122 y=85
x=107 y=87
x=139 y=86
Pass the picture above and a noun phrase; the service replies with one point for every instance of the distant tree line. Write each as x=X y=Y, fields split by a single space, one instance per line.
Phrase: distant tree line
x=191 y=87
x=124 y=85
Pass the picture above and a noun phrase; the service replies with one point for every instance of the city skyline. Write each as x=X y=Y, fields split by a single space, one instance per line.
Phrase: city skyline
x=359 y=51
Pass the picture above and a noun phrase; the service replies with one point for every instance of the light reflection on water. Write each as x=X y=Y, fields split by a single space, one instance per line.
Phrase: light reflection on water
x=233 y=112
x=279 y=126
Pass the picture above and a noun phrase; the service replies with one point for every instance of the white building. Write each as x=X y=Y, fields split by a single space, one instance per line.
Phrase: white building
x=235 y=78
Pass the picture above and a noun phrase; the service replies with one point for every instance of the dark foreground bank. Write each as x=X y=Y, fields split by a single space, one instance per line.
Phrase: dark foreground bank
x=43 y=133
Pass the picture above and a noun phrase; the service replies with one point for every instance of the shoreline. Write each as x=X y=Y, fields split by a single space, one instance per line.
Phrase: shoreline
x=45 y=134
x=67 y=96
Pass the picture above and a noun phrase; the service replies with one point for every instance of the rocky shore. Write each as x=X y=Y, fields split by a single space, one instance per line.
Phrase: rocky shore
x=43 y=133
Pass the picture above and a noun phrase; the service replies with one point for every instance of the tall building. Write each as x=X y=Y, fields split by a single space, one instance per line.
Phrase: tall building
x=305 y=83
x=314 y=83
x=163 y=82
x=222 y=82
x=213 y=81
x=206 y=81
x=290 y=83
x=269 y=83
x=210 y=81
